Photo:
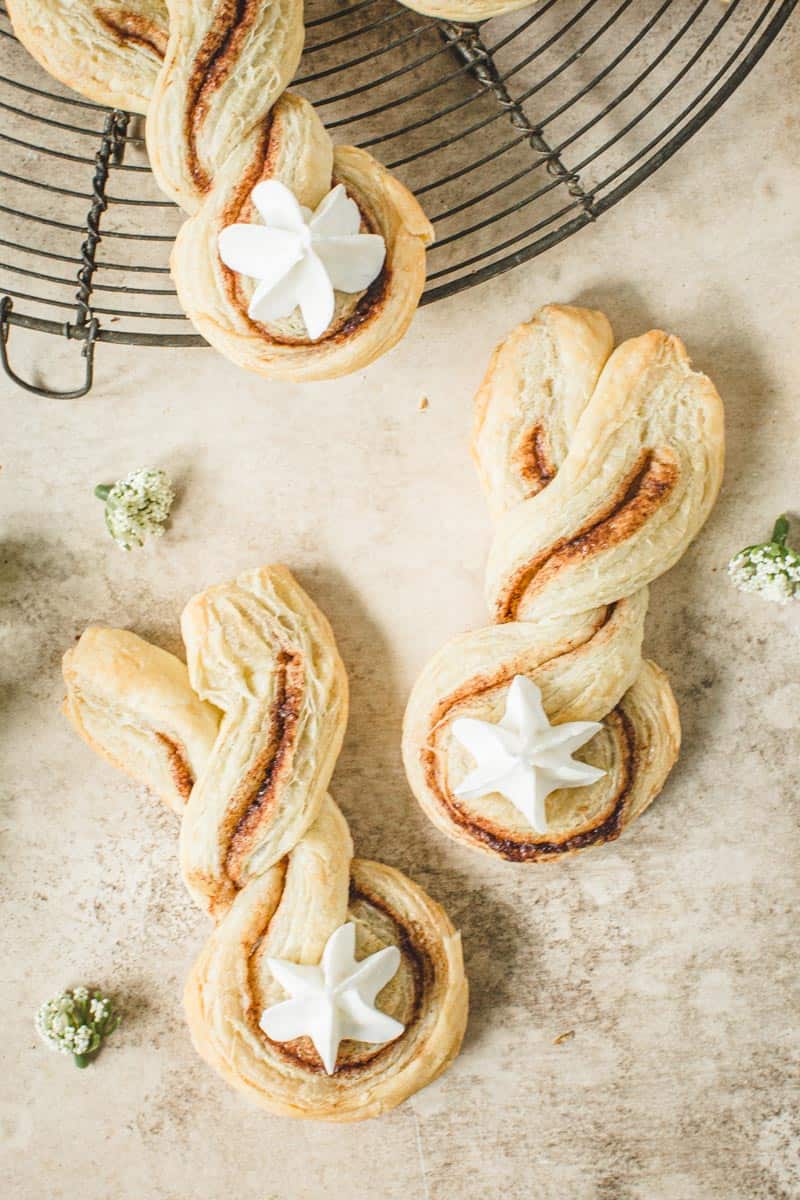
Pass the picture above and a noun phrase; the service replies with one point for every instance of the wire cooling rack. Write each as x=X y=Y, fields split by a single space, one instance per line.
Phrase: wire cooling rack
x=513 y=134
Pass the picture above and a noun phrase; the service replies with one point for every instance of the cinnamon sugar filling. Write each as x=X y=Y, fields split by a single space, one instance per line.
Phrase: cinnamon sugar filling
x=179 y=767
x=216 y=57
x=132 y=27
x=256 y=797
x=533 y=459
x=640 y=495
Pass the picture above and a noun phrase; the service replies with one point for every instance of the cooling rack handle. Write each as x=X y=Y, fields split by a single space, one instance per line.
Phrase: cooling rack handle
x=89 y=338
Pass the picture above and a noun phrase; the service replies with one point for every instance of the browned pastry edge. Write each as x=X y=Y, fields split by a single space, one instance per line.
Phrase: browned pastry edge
x=648 y=484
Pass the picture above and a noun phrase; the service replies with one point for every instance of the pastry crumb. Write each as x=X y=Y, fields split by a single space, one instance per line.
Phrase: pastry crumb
x=423 y=404
x=564 y=1037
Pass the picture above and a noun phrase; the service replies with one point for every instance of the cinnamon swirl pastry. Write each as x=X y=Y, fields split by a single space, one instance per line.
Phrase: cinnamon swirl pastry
x=331 y=987
x=600 y=467
x=260 y=651
x=220 y=126
x=298 y=261
x=290 y=913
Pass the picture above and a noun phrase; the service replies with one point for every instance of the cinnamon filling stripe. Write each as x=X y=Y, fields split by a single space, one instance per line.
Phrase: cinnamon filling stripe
x=640 y=495
x=217 y=56
x=533 y=459
x=478 y=686
x=179 y=767
x=257 y=797
x=133 y=28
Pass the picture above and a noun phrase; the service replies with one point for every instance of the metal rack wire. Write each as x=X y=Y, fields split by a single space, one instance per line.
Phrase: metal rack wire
x=513 y=134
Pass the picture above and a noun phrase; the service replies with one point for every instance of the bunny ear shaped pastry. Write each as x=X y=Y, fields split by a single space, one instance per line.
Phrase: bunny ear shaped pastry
x=133 y=703
x=313 y=288
x=331 y=987
x=600 y=467
x=262 y=653
x=299 y=298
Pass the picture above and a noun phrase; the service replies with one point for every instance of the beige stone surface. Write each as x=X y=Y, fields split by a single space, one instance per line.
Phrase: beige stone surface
x=671 y=954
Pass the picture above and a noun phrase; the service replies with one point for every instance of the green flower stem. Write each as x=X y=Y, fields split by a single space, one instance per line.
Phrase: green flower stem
x=102 y=491
x=781 y=531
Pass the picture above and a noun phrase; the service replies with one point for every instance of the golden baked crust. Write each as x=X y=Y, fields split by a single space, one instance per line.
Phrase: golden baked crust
x=364 y=326
x=133 y=703
x=262 y=653
x=263 y=846
x=290 y=912
x=600 y=467
x=109 y=51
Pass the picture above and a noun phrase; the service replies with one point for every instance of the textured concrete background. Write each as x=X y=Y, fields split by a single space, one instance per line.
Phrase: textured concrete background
x=671 y=954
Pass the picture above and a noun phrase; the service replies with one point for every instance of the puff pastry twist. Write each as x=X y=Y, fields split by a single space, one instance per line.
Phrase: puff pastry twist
x=220 y=122
x=111 y=51
x=600 y=466
x=245 y=741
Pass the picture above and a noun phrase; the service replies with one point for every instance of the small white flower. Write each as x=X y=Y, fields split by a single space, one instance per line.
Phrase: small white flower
x=81 y=1039
x=300 y=257
x=769 y=569
x=136 y=507
x=65 y=1025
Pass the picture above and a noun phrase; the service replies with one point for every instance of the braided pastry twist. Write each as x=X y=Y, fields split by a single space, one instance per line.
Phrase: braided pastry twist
x=254 y=729
x=599 y=467
x=220 y=123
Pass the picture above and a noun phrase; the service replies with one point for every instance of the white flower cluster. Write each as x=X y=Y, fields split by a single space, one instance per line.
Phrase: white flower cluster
x=770 y=570
x=99 y=1009
x=139 y=505
x=76 y=1022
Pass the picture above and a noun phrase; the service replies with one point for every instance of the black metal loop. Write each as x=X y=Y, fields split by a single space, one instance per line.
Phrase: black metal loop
x=6 y=306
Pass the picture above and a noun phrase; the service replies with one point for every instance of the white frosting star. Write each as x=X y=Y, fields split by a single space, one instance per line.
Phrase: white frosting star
x=524 y=757
x=299 y=257
x=335 y=1000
